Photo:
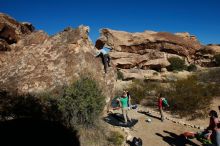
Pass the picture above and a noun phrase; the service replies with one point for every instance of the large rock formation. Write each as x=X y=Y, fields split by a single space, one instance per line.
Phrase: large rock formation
x=37 y=62
x=11 y=31
x=148 y=50
x=205 y=55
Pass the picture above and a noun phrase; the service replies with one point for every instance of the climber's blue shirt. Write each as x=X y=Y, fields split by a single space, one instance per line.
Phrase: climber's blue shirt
x=105 y=51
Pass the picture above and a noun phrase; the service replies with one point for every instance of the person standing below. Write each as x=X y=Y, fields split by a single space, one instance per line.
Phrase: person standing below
x=123 y=102
x=104 y=53
x=161 y=103
x=217 y=135
x=213 y=122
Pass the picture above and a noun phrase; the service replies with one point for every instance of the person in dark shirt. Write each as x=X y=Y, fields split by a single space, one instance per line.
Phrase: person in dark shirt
x=104 y=53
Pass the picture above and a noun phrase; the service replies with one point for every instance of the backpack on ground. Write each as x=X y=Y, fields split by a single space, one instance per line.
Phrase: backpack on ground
x=136 y=142
x=165 y=102
x=115 y=103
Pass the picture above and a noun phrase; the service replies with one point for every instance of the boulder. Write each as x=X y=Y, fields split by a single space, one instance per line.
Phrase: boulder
x=4 y=45
x=39 y=63
x=11 y=30
x=129 y=74
x=148 y=49
x=186 y=35
x=205 y=56
x=214 y=48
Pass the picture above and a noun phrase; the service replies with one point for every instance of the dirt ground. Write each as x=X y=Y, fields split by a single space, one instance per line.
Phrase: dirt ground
x=204 y=122
x=157 y=133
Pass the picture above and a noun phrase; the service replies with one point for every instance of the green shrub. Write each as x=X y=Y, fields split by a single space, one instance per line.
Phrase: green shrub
x=192 y=67
x=119 y=75
x=139 y=90
x=212 y=79
x=210 y=76
x=176 y=64
x=82 y=102
x=78 y=104
x=116 y=138
x=189 y=96
x=217 y=59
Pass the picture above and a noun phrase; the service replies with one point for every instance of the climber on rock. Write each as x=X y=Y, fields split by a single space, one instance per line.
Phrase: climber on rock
x=104 y=53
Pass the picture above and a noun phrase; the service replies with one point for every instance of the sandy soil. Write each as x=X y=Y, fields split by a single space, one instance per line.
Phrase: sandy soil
x=205 y=122
x=157 y=133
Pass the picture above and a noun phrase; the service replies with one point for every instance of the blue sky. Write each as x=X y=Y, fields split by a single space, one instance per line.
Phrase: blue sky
x=198 y=17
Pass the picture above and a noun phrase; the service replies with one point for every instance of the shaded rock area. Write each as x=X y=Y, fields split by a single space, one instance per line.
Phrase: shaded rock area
x=205 y=55
x=11 y=31
x=36 y=66
x=134 y=53
x=33 y=132
x=37 y=62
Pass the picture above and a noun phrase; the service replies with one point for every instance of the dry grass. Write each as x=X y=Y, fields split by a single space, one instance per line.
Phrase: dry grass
x=100 y=135
x=92 y=137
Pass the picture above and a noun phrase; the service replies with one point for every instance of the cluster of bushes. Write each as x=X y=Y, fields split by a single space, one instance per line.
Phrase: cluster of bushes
x=77 y=107
x=178 y=64
x=119 y=75
x=140 y=89
x=78 y=104
x=212 y=75
x=82 y=102
x=189 y=97
x=192 y=67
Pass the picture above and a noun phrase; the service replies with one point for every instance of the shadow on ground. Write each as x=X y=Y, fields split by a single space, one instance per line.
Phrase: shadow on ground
x=117 y=119
x=176 y=140
x=29 y=132
x=149 y=115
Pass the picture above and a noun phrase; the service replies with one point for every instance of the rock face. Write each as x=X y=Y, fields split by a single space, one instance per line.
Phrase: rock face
x=205 y=55
x=148 y=50
x=215 y=48
x=38 y=62
x=11 y=31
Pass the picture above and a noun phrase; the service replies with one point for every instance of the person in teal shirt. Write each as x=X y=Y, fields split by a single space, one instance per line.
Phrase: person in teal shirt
x=123 y=101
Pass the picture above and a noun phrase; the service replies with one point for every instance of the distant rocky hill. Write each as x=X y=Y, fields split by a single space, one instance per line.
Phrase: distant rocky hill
x=138 y=55
x=31 y=61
